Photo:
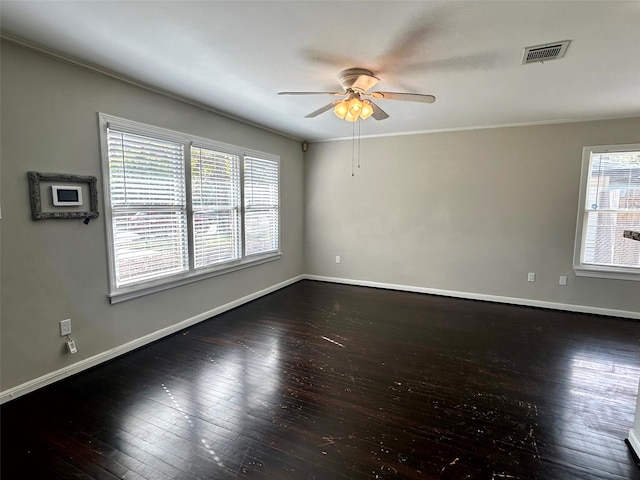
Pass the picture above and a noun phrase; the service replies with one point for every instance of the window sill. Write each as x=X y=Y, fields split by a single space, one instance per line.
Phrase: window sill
x=611 y=273
x=134 y=291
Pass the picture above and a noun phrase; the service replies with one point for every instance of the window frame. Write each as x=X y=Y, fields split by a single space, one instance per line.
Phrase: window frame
x=580 y=268
x=118 y=294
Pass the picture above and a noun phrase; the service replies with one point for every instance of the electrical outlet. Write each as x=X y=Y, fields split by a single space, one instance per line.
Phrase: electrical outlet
x=65 y=327
x=531 y=277
x=337 y=258
x=563 y=280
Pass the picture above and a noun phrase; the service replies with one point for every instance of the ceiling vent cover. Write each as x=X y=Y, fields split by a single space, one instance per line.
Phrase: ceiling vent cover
x=542 y=53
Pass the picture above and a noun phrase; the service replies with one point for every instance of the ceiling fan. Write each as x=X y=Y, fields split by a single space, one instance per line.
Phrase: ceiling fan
x=356 y=102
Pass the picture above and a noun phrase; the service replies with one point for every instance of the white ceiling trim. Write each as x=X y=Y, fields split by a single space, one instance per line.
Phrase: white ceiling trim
x=482 y=127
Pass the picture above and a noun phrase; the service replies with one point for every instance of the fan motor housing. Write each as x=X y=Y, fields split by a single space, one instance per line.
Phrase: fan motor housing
x=365 y=78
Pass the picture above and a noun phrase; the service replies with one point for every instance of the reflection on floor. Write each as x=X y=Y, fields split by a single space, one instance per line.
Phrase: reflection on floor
x=324 y=381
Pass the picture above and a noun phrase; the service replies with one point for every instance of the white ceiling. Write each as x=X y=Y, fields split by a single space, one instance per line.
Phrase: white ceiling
x=233 y=57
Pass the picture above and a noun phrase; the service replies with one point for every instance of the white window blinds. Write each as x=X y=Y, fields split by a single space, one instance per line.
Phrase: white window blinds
x=215 y=186
x=261 y=198
x=148 y=202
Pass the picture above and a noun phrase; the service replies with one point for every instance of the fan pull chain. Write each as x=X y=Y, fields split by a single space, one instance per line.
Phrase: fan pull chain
x=353 y=147
x=359 y=123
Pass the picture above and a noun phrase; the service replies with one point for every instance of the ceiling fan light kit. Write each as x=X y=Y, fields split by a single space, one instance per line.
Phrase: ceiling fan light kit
x=353 y=109
x=355 y=83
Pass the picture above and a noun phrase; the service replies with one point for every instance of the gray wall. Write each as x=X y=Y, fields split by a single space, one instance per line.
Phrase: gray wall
x=467 y=211
x=57 y=269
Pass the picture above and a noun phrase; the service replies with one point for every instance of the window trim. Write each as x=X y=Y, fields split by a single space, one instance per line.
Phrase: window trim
x=120 y=294
x=588 y=270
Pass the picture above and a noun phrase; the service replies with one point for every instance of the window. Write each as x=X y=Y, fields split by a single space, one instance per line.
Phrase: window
x=180 y=207
x=261 y=204
x=215 y=185
x=609 y=205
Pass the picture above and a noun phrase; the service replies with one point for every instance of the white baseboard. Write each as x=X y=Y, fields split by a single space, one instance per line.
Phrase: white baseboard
x=107 y=355
x=634 y=442
x=481 y=296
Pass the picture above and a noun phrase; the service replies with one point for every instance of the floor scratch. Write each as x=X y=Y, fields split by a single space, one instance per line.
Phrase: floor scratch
x=333 y=341
x=329 y=440
x=501 y=475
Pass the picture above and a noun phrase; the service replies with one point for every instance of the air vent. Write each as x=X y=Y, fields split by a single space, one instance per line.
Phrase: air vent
x=542 y=53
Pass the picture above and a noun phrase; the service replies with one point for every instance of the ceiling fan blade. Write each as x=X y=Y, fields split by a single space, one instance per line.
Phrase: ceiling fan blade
x=406 y=46
x=481 y=61
x=341 y=94
x=378 y=113
x=407 y=97
x=329 y=106
x=327 y=58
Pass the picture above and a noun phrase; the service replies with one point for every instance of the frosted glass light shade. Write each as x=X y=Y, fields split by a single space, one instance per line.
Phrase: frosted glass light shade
x=355 y=107
x=341 y=109
x=367 y=110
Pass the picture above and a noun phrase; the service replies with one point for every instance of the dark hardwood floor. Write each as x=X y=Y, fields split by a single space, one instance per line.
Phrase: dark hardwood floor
x=325 y=381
